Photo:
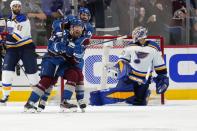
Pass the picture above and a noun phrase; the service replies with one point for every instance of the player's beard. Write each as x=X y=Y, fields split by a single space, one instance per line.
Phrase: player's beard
x=76 y=34
x=16 y=12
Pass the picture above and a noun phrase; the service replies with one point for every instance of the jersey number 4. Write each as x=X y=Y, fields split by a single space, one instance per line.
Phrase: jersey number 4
x=19 y=27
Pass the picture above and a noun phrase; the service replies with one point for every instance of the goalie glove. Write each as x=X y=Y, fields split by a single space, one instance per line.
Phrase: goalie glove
x=111 y=71
x=162 y=83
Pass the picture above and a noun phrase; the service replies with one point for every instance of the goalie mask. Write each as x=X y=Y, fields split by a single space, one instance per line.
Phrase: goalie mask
x=139 y=33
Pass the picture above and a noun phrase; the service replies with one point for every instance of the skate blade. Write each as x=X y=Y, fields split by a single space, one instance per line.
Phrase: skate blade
x=39 y=110
x=83 y=110
x=67 y=110
x=3 y=104
x=30 y=110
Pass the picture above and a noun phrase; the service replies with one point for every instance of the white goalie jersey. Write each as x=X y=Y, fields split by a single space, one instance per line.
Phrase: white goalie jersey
x=144 y=59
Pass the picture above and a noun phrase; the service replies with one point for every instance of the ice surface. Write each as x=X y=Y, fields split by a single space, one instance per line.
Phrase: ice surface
x=174 y=116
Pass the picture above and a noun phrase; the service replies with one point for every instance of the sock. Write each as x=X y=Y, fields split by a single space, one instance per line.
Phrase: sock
x=79 y=92
x=34 y=97
x=68 y=92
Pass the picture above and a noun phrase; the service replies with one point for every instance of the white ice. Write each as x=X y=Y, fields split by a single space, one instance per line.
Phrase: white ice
x=173 y=116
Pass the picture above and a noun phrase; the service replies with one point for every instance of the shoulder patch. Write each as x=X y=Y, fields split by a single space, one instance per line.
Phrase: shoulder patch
x=154 y=45
x=21 y=18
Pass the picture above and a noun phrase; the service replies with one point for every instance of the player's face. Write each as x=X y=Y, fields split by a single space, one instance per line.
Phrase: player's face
x=142 y=41
x=84 y=16
x=76 y=31
x=16 y=9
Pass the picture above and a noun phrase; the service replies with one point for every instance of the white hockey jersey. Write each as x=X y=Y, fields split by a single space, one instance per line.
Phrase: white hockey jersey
x=20 y=31
x=143 y=60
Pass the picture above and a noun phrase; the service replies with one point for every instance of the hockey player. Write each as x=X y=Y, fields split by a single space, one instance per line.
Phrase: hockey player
x=61 y=47
x=84 y=15
x=76 y=71
x=134 y=73
x=19 y=46
x=73 y=75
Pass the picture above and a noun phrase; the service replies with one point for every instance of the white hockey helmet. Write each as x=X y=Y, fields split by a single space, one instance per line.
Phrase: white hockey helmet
x=15 y=2
x=139 y=33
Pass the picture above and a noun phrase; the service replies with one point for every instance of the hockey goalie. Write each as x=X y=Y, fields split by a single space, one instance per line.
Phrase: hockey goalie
x=134 y=73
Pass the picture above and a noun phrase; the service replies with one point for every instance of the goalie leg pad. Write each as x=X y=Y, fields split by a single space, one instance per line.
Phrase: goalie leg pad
x=142 y=94
x=120 y=93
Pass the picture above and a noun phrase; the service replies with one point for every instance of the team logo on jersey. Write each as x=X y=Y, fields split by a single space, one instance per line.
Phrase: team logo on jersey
x=140 y=55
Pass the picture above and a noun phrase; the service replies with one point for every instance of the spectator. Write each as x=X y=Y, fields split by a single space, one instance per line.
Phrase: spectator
x=4 y=11
x=177 y=27
x=50 y=8
x=37 y=18
x=140 y=19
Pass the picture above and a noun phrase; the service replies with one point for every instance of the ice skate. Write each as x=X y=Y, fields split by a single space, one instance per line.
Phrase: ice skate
x=66 y=106
x=4 y=100
x=29 y=107
x=82 y=105
x=41 y=105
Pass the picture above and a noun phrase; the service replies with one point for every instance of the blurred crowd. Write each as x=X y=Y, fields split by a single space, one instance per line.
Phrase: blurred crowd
x=175 y=20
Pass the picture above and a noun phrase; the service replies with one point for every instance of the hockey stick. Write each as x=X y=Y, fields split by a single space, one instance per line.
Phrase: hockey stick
x=115 y=39
x=61 y=13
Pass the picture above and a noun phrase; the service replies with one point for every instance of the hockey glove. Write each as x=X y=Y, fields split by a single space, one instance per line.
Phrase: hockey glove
x=3 y=35
x=162 y=83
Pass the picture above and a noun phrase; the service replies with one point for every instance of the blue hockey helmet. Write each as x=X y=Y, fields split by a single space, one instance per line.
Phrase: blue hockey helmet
x=77 y=22
x=69 y=18
x=83 y=10
x=139 y=33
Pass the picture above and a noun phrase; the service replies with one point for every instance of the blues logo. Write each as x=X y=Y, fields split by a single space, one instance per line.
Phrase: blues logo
x=140 y=55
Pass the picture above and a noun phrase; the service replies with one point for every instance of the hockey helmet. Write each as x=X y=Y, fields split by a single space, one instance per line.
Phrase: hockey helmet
x=139 y=33
x=83 y=10
x=15 y=2
x=77 y=22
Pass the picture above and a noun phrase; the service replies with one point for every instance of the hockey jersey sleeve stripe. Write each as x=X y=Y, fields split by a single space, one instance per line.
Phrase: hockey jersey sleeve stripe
x=7 y=88
x=21 y=43
x=6 y=84
x=16 y=36
x=160 y=68
x=140 y=74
